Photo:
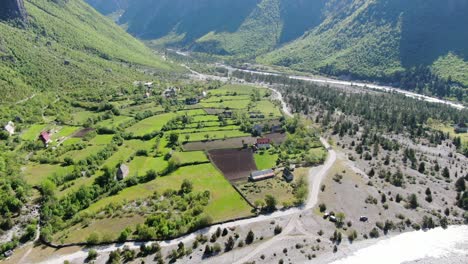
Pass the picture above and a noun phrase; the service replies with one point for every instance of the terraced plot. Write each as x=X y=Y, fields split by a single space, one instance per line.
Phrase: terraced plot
x=225 y=202
x=150 y=124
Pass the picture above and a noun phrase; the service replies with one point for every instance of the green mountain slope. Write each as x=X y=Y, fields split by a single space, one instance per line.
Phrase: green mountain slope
x=67 y=45
x=240 y=28
x=366 y=39
x=380 y=38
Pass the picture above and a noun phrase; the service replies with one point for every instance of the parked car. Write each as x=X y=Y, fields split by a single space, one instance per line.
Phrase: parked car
x=363 y=218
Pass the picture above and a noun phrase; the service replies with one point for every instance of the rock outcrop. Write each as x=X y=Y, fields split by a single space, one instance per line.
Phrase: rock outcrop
x=12 y=9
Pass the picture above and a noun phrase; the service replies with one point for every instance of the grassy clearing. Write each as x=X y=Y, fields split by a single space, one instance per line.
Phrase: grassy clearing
x=34 y=174
x=282 y=190
x=140 y=165
x=205 y=118
x=447 y=128
x=225 y=203
x=105 y=228
x=65 y=132
x=116 y=121
x=190 y=157
x=82 y=116
x=150 y=125
x=32 y=133
x=206 y=129
x=241 y=104
x=214 y=135
x=239 y=89
x=267 y=108
x=192 y=112
x=265 y=160
x=220 y=98
x=72 y=141
x=101 y=140
x=82 y=154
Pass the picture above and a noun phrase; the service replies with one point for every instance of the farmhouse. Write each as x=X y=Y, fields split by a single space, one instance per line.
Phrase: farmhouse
x=123 y=172
x=261 y=175
x=45 y=137
x=263 y=143
x=461 y=128
x=191 y=101
x=149 y=85
x=171 y=92
x=10 y=128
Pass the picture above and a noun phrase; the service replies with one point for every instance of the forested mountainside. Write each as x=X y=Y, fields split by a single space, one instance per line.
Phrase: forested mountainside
x=108 y=7
x=66 y=45
x=419 y=45
x=382 y=37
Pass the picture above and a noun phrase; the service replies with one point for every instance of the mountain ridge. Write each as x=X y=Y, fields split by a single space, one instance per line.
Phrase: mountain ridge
x=365 y=39
x=67 y=45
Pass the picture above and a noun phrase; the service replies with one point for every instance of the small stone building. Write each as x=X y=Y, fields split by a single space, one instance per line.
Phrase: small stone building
x=123 y=172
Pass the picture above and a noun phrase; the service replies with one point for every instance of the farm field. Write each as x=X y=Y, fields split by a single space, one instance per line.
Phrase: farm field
x=212 y=135
x=36 y=173
x=234 y=163
x=150 y=124
x=139 y=166
x=115 y=121
x=229 y=143
x=265 y=160
x=194 y=143
x=33 y=132
x=225 y=201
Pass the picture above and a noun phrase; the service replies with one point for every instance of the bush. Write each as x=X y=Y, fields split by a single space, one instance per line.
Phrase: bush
x=374 y=233
x=93 y=239
x=92 y=255
x=278 y=230
x=250 y=238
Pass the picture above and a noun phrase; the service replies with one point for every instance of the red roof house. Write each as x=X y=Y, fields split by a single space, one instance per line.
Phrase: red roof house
x=263 y=143
x=45 y=137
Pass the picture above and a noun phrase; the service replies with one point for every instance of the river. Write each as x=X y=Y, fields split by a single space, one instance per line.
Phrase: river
x=324 y=80
x=450 y=244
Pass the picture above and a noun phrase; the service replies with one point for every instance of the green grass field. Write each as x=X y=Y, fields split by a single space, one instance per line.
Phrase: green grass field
x=265 y=160
x=150 y=125
x=114 y=122
x=82 y=116
x=214 y=135
x=206 y=129
x=82 y=154
x=267 y=108
x=219 y=99
x=205 y=118
x=239 y=89
x=447 y=128
x=32 y=133
x=225 y=202
x=72 y=141
x=241 y=104
x=101 y=140
x=190 y=157
x=65 y=132
x=140 y=165
x=34 y=174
